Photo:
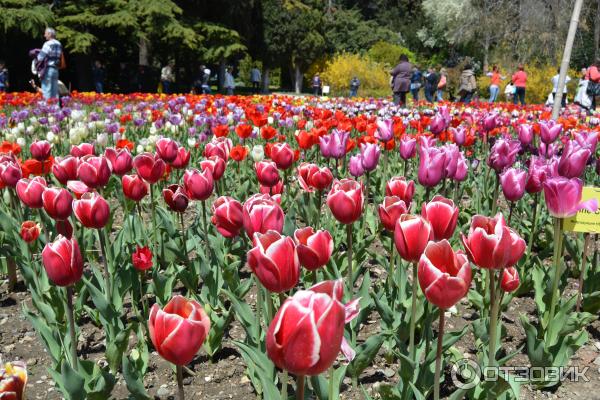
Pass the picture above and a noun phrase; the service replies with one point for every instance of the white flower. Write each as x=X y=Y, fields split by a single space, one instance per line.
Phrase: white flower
x=191 y=142
x=29 y=130
x=21 y=141
x=258 y=153
x=139 y=148
x=270 y=120
x=102 y=139
x=50 y=137
x=117 y=111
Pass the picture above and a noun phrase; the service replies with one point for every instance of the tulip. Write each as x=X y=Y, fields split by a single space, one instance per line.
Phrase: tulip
x=536 y=176
x=94 y=171
x=282 y=155
x=355 y=166
x=563 y=197
x=346 y=200
x=510 y=279
x=218 y=147
x=183 y=158
x=176 y=198
x=198 y=185
x=399 y=186
x=57 y=202
x=334 y=144
x=40 y=150
x=258 y=153
x=30 y=231
x=503 y=154
x=587 y=139
x=385 y=131
x=573 y=160
x=314 y=248
x=431 y=166
x=134 y=187
x=437 y=124
x=525 y=132
x=30 y=191
x=320 y=178
x=10 y=173
x=549 y=131
x=82 y=150
x=490 y=122
x=513 y=182
x=408 y=147
x=491 y=244
x=65 y=169
x=92 y=210
x=166 y=149
x=267 y=173
x=78 y=188
x=462 y=169
x=216 y=165
x=150 y=167
x=64 y=227
x=260 y=214
x=452 y=155
x=444 y=275
x=227 y=216
x=62 y=261
x=459 y=135
x=142 y=258
x=13 y=380
x=411 y=235
x=178 y=330
x=370 y=153
x=120 y=160
x=442 y=215
x=274 y=260
x=390 y=211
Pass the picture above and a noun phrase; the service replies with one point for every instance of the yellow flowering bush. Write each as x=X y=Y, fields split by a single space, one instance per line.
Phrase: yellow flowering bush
x=339 y=70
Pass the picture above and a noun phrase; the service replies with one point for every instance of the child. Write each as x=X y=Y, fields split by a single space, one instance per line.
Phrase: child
x=509 y=92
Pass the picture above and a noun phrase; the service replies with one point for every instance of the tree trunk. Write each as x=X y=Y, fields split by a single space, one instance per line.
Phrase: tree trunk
x=265 y=79
x=144 y=52
x=222 y=67
x=597 y=34
x=486 y=52
x=297 y=79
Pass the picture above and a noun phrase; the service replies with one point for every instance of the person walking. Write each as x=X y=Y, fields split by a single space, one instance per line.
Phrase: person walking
x=441 y=86
x=167 y=77
x=98 y=75
x=229 y=82
x=495 y=79
x=255 y=77
x=316 y=84
x=50 y=54
x=354 y=85
x=431 y=81
x=416 y=81
x=4 y=83
x=519 y=79
x=468 y=84
x=401 y=75
x=554 y=80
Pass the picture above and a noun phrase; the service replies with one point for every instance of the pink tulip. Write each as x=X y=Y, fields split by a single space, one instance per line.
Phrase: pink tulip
x=513 y=182
x=390 y=211
x=411 y=235
x=563 y=197
x=442 y=214
x=262 y=213
x=267 y=173
x=30 y=191
x=198 y=185
x=346 y=200
x=166 y=148
x=216 y=165
x=274 y=261
x=525 y=132
x=314 y=248
x=282 y=155
x=150 y=167
x=510 y=279
x=82 y=150
x=573 y=160
x=408 y=147
x=40 y=150
x=503 y=154
x=227 y=216
x=91 y=210
x=94 y=171
x=120 y=160
x=10 y=173
x=65 y=168
x=431 y=166
x=549 y=131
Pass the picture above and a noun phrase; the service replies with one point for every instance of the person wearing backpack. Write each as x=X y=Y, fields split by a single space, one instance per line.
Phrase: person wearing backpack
x=468 y=84
x=51 y=54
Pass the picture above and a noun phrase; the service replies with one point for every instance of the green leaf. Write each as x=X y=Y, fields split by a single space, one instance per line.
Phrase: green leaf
x=365 y=354
x=261 y=368
x=134 y=380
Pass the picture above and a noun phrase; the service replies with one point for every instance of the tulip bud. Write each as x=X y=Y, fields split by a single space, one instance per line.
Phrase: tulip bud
x=142 y=258
x=134 y=187
x=150 y=167
x=563 y=197
x=442 y=214
x=513 y=183
x=314 y=248
x=62 y=261
x=267 y=173
x=30 y=231
x=176 y=198
x=94 y=171
x=30 y=191
x=261 y=213
x=275 y=261
x=510 y=279
x=198 y=185
x=258 y=153
x=346 y=200
x=390 y=211
x=227 y=216
x=40 y=150
x=411 y=235
x=57 y=202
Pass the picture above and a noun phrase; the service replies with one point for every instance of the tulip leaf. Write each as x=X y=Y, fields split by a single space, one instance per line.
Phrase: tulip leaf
x=71 y=384
x=51 y=337
x=365 y=354
x=262 y=370
x=245 y=317
x=133 y=380
x=450 y=338
x=591 y=302
x=320 y=384
x=116 y=347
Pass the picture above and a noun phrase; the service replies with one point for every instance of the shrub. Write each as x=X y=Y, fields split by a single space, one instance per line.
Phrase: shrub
x=387 y=54
x=374 y=77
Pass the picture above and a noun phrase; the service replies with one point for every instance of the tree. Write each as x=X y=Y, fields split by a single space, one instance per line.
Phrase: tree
x=24 y=16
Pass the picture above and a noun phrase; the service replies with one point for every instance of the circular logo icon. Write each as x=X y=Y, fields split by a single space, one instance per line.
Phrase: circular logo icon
x=466 y=374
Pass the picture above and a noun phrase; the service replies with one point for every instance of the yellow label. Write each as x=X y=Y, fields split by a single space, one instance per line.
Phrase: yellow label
x=585 y=221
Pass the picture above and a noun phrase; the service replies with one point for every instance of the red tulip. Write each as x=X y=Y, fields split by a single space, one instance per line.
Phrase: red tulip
x=57 y=202
x=30 y=191
x=62 y=261
x=491 y=244
x=442 y=214
x=444 y=275
x=216 y=165
x=94 y=171
x=314 y=248
x=92 y=210
x=390 y=211
x=510 y=279
x=227 y=216
x=13 y=379
x=182 y=160
x=411 y=235
x=10 y=173
x=282 y=155
x=320 y=178
x=275 y=261
x=199 y=185
x=64 y=227
x=304 y=171
x=149 y=167
x=346 y=200
x=399 y=186
x=306 y=334
x=120 y=160
x=262 y=213
x=272 y=190
x=78 y=188
x=178 y=331
x=218 y=147
x=176 y=198
x=166 y=149
x=142 y=258
x=82 y=150
x=267 y=173
x=40 y=150
x=134 y=187
x=65 y=169
x=30 y=231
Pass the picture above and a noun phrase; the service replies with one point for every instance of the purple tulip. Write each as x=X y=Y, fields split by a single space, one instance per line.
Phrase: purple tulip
x=408 y=147
x=385 y=131
x=573 y=160
x=459 y=134
x=334 y=144
x=525 y=132
x=563 y=197
x=355 y=166
x=490 y=122
x=536 y=175
x=462 y=169
x=370 y=153
x=503 y=154
x=587 y=139
x=513 y=182
x=548 y=150
x=437 y=124
x=451 y=160
x=549 y=131
x=431 y=166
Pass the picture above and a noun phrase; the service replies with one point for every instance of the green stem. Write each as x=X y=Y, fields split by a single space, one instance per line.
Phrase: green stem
x=438 y=356
x=511 y=208
x=349 y=253
x=179 y=369
x=183 y=238
x=300 y=387
x=413 y=314
x=319 y=205
x=495 y=197
x=557 y=267
x=391 y=272
x=71 y=321
x=154 y=228
x=106 y=272
x=259 y=301
x=44 y=228
x=536 y=200
x=331 y=383
x=493 y=318
x=205 y=228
